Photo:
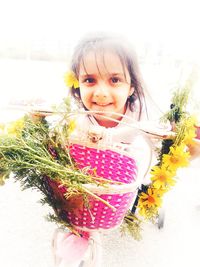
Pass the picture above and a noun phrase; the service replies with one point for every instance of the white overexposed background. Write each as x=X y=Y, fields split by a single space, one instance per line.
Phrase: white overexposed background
x=36 y=41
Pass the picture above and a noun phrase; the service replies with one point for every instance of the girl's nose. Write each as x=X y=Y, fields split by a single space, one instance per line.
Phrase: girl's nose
x=101 y=93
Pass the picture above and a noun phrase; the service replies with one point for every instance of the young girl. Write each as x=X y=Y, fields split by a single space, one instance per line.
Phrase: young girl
x=109 y=86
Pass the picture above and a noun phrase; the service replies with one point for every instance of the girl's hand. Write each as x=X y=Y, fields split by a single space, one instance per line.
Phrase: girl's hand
x=156 y=130
x=194 y=149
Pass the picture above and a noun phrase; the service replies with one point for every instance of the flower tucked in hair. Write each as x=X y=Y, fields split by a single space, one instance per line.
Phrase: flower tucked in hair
x=71 y=80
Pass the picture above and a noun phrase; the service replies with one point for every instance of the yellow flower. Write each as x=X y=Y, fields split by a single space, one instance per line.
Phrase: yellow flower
x=162 y=177
x=176 y=158
x=190 y=122
x=189 y=135
x=71 y=126
x=15 y=128
x=150 y=199
x=189 y=132
x=71 y=80
x=149 y=203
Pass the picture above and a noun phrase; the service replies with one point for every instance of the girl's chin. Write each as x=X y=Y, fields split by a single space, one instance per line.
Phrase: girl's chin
x=102 y=109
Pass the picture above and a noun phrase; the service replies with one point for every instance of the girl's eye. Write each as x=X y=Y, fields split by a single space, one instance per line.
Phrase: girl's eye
x=89 y=80
x=115 y=80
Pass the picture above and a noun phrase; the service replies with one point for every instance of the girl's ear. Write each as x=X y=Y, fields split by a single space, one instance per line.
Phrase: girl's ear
x=131 y=91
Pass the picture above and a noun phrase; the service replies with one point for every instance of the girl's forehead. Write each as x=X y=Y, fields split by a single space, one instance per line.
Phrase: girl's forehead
x=101 y=62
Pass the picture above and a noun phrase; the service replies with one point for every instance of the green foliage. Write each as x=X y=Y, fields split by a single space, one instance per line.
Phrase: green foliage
x=40 y=153
x=178 y=105
x=174 y=115
x=132 y=225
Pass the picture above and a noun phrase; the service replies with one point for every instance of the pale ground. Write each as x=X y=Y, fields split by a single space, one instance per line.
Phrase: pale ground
x=25 y=236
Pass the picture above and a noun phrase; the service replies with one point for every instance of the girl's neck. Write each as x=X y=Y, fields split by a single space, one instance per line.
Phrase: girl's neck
x=108 y=124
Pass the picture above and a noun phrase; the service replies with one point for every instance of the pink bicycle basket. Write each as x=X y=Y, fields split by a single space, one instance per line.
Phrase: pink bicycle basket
x=110 y=164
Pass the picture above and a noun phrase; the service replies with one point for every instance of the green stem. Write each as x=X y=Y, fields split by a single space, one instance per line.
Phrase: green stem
x=102 y=200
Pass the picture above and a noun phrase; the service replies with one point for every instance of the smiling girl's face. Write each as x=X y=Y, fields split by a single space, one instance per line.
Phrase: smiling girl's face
x=105 y=85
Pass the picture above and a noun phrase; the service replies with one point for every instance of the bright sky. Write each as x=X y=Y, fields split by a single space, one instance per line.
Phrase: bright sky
x=173 y=23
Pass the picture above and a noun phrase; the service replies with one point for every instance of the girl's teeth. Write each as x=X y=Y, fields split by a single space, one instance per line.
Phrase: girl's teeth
x=102 y=104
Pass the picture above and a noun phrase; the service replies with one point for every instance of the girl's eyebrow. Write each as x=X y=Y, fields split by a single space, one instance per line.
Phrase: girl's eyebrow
x=116 y=74
x=86 y=75
x=93 y=74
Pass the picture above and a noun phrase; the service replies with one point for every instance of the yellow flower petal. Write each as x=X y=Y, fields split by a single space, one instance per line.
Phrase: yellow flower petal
x=71 y=80
x=162 y=177
x=15 y=128
x=71 y=126
x=177 y=157
x=150 y=198
x=189 y=136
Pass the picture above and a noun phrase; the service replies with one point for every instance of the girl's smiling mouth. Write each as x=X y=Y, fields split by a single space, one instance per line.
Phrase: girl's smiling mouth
x=102 y=104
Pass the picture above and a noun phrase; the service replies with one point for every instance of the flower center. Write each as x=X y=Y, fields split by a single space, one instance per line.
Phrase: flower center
x=162 y=178
x=174 y=160
x=151 y=199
